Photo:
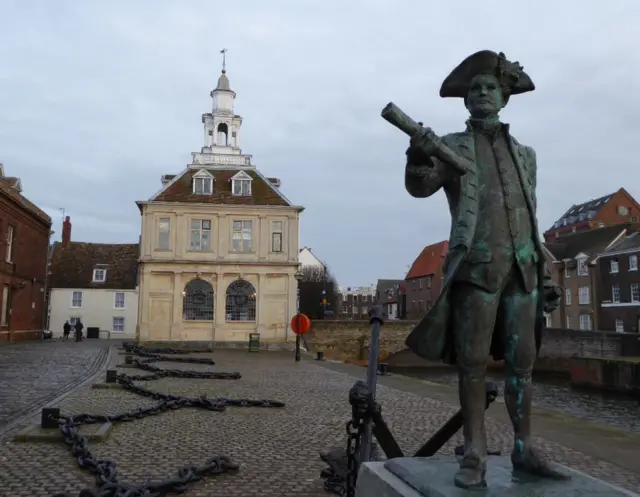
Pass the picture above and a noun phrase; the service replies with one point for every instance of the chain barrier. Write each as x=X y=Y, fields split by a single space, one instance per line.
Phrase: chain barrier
x=341 y=475
x=104 y=470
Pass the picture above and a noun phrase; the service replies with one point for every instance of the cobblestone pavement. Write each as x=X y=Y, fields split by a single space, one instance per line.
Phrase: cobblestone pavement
x=277 y=449
x=32 y=373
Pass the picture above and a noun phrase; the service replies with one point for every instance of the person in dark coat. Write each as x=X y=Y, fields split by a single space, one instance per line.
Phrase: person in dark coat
x=79 y=327
x=66 y=329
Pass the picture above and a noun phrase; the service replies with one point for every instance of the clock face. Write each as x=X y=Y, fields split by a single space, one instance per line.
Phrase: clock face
x=623 y=211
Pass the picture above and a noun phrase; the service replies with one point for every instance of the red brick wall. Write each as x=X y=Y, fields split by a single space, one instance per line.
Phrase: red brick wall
x=30 y=247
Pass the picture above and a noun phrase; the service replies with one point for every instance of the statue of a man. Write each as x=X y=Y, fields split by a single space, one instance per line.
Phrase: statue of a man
x=496 y=287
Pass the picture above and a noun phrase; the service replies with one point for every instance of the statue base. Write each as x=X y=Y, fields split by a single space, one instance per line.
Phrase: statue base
x=433 y=477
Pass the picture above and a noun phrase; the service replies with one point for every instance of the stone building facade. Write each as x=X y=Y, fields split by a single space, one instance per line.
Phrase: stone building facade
x=219 y=244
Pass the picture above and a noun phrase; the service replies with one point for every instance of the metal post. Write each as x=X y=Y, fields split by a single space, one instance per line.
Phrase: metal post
x=376 y=321
x=298 y=337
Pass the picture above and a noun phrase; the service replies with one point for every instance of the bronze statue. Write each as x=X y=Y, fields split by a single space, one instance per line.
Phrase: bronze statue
x=496 y=287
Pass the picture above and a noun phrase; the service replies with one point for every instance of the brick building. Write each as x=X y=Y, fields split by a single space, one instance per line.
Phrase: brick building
x=612 y=209
x=389 y=296
x=620 y=285
x=424 y=279
x=574 y=267
x=356 y=302
x=24 y=230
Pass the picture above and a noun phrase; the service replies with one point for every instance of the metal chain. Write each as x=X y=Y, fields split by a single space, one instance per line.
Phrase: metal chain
x=107 y=482
x=355 y=430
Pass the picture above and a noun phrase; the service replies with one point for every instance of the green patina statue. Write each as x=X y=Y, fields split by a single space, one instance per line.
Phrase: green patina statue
x=496 y=286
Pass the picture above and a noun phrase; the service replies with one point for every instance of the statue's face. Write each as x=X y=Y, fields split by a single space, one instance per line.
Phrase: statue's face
x=485 y=96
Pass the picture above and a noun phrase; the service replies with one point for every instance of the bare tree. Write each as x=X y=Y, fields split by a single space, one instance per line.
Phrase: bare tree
x=318 y=291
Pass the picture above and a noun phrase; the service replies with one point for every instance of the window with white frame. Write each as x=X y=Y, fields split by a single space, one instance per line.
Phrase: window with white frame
x=9 y=239
x=200 y=238
x=569 y=322
x=619 y=325
x=202 y=183
x=615 y=266
x=583 y=270
x=567 y=297
x=164 y=233
x=635 y=292
x=583 y=295
x=241 y=184
x=355 y=310
x=118 y=324
x=566 y=270
x=99 y=275
x=241 y=237
x=585 y=322
x=421 y=283
x=118 y=300
x=276 y=236
x=615 y=293
x=76 y=299
x=633 y=262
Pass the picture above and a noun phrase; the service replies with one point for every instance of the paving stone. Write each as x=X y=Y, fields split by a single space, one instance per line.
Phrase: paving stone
x=277 y=449
x=31 y=373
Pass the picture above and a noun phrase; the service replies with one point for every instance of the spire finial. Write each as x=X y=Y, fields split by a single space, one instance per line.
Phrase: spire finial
x=224 y=60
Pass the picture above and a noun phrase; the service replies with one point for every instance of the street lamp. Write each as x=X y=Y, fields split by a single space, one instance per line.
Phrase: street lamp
x=298 y=276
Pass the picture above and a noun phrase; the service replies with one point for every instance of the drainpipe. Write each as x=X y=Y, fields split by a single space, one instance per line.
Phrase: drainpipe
x=46 y=303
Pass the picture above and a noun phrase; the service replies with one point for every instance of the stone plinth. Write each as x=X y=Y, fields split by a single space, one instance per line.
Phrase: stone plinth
x=34 y=433
x=433 y=477
x=107 y=385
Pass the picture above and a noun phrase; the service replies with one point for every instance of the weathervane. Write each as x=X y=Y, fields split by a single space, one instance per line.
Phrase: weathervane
x=224 y=59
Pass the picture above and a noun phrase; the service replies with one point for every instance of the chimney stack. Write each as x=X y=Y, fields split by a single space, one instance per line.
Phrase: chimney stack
x=66 y=232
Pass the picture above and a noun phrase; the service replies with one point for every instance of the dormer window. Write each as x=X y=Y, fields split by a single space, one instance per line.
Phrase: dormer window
x=99 y=275
x=241 y=184
x=202 y=183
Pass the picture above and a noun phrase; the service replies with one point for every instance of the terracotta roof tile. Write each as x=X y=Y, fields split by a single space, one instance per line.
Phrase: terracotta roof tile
x=181 y=190
x=8 y=188
x=72 y=267
x=429 y=260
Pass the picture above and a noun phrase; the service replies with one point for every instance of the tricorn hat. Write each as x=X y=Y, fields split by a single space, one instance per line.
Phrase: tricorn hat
x=510 y=74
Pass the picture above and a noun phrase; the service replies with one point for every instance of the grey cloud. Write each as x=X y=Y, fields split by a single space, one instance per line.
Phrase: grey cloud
x=100 y=99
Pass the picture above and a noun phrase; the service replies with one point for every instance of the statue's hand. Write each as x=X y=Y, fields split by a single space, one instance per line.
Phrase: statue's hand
x=425 y=142
x=552 y=296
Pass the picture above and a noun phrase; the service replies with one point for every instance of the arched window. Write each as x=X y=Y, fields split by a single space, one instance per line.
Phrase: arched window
x=197 y=304
x=222 y=137
x=241 y=301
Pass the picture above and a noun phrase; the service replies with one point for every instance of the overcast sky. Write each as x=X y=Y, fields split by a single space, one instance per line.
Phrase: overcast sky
x=98 y=99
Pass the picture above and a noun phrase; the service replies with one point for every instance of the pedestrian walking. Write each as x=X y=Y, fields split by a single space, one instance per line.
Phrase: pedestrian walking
x=66 y=329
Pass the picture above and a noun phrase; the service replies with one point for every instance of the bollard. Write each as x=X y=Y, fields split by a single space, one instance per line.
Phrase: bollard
x=112 y=376
x=320 y=356
x=49 y=418
x=383 y=368
x=128 y=359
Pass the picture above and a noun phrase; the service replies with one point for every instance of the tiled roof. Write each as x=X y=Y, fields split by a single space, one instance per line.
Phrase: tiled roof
x=582 y=212
x=72 y=267
x=8 y=186
x=589 y=242
x=629 y=242
x=262 y=191
x=429 y=260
